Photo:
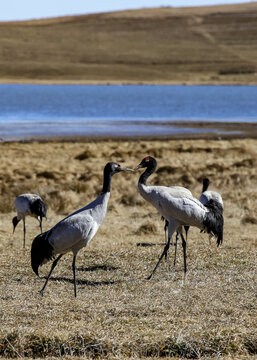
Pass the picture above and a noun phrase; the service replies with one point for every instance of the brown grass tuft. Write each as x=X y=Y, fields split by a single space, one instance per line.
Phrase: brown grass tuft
x=165 y=170
x=146 y=229
x=47 y=175
x=14 y=345
x=248 y=219
x=87 y=154
x=38 y=346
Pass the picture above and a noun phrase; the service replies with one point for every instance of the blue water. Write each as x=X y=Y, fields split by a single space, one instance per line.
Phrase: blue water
x=57 y=110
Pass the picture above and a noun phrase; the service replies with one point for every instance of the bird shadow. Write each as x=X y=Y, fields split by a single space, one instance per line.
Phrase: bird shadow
x=149 y=244
x=98 y=267
x=85 y=282
x=88 y=282
x=145 y=244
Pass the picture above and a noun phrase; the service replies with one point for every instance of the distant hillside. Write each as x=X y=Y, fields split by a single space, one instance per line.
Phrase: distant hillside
x=215 y=44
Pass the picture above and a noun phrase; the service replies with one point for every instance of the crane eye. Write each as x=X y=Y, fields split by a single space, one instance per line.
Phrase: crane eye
x=116 y=166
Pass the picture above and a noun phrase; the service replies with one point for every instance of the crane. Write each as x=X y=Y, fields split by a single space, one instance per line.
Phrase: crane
x=179 y=211
x=205 y=198
x=28 y=205
x=75 y=231
x=207 y=195
x=177 y=191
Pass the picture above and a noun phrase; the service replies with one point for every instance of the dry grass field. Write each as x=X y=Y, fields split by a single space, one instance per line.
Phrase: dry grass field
x=215 y=44
x=118 y=314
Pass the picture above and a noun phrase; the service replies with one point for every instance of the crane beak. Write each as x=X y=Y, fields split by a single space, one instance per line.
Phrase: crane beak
x=126 y=169
x=139 y=166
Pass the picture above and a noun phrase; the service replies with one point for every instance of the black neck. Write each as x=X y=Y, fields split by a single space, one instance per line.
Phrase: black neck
x=206 y=184
x=107 y=182
x=149 y=171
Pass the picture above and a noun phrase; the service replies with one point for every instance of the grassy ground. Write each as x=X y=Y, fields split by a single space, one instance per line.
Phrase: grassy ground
x=166 y=45
x=118 y=314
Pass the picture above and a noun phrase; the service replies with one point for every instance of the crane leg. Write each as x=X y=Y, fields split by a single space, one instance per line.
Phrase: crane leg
x=41 y=228
x=184 y=244
x=74 y=275
x=165 y=251
x=186 y=230
x=176 y=247
x=50 y=272
x=166 y=240
x=24 y=233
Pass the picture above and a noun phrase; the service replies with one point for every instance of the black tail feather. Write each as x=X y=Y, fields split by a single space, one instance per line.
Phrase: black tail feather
x=38 y=207
x=41 y=251
x=213 y=221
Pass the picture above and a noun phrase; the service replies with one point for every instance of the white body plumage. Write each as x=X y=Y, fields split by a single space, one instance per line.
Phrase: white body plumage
x=206 y=196
x=76 y=230
x=178 y=207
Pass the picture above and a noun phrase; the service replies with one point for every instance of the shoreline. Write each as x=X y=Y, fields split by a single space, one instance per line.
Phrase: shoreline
x=104 y=138
x=124 y=82
x=224 y=131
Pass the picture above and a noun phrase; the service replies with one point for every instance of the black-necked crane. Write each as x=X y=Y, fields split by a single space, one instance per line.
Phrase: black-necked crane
x=208 y=195
x=28 y=205
x=179 y=211
x=75 y=231
x=176 y=191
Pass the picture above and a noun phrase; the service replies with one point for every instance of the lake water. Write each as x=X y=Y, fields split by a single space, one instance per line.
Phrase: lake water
x=113 y=110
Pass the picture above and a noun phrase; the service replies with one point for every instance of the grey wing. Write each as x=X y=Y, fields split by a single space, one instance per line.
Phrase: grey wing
x=72 y=233
x=22 y=205
x=186 y=211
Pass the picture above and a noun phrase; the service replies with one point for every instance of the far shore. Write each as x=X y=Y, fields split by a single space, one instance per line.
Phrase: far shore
x=166 y=45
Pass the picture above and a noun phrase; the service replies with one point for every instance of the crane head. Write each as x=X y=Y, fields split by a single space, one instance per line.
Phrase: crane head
x=147 y=162
x=15 y=222
x=113 y=168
